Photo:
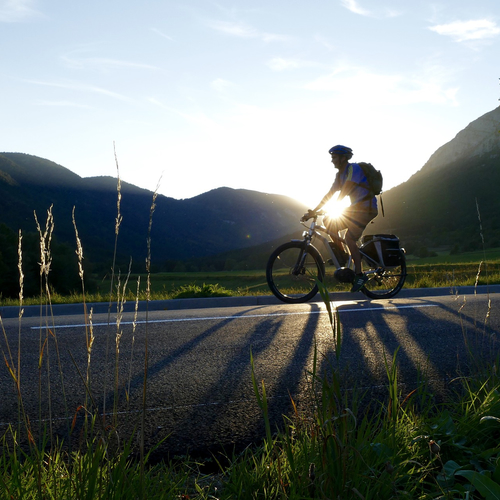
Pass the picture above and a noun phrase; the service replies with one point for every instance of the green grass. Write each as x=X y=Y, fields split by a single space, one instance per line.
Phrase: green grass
x=442 y=271
x=240 y=282
x=452 y=275
x=489 y=255
x=345 y=446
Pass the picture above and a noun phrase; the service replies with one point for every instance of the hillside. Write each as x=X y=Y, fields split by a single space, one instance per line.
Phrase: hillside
x=437 y=206
x=220 y=220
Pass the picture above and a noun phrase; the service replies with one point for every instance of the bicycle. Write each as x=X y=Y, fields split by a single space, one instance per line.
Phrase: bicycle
x=295 y=268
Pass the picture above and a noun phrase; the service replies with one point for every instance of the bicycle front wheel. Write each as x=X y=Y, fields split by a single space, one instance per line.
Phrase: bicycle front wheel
x=385 y=283
x=293 y=270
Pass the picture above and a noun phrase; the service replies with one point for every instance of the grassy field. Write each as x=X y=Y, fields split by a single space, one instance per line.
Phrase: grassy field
x=489 y=255
x=445 y=270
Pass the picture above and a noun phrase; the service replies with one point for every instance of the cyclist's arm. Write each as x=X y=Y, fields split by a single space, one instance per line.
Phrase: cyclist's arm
x=347 y=189
x=328 y=196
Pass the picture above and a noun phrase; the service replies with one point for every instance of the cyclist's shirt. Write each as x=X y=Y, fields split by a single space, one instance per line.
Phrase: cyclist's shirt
x=354 y=173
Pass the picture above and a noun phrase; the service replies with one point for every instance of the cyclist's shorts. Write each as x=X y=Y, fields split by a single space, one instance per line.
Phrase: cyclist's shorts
x=354 y=221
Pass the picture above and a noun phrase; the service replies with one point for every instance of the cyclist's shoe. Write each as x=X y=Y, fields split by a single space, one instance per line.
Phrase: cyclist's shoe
x=359 y=282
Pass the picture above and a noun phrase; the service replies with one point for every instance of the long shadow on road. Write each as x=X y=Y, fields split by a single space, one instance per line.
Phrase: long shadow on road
x=435 y=343
x=225 y=409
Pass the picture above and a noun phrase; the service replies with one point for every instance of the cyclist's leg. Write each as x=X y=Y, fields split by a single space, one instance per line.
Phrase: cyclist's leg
x=333 y=226
x=356 y=222
x=354 y=249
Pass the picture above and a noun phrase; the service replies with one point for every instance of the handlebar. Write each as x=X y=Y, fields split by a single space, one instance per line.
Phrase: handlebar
x=312 y=215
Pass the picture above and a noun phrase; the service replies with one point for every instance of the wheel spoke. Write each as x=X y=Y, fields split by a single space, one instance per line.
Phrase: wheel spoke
x=385 y=283
x=292 y=272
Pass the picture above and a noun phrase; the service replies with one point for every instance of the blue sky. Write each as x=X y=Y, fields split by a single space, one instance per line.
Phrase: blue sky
x=245 y=94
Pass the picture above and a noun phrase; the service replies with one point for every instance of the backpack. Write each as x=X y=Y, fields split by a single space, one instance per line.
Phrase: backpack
x=373 y=176
x=375 y=181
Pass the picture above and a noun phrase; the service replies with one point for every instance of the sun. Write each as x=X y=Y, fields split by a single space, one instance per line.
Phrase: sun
x=334 y=207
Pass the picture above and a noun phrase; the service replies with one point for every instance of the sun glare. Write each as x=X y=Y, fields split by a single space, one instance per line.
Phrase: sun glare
x=334 y=207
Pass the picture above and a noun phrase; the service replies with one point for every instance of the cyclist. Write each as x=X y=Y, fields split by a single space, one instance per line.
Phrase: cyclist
x=350 y=181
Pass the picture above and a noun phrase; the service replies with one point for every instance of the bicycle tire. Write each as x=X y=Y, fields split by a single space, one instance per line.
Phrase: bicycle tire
x=386 y=282
x=286 y=281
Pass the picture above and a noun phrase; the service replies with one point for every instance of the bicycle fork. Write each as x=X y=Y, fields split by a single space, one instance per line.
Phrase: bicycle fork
x=299 y=267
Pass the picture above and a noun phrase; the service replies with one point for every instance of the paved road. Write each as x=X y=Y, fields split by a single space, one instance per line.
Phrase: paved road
x=199 y=378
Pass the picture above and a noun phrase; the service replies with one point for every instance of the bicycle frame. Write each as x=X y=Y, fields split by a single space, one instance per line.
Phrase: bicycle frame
x=316 y=230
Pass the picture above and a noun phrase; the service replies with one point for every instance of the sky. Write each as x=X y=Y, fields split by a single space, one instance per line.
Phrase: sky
x=193 y=95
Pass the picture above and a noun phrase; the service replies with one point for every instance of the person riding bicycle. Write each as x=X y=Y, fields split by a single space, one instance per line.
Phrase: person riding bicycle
x=352 y=182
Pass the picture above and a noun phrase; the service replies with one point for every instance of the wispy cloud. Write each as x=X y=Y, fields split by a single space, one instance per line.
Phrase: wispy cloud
x=324 y=42
x=73 y=60
x=244 y=31
x=361 y=87
x=462 y=31
x=380 y=13
x=281 y=64
x=196 y=118
x=220 y=84
x=160 y=104
x=62 y=104
x=79 y=87
x=160 y=33
x=353 y=6
x=12 y=11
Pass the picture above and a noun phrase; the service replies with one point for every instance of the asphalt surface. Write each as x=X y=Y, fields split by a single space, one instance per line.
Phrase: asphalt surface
x=200 y=395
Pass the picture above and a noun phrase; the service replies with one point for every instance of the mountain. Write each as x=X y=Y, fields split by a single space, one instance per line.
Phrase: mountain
x=480 y=137
x=454 y=197
x=214 y=222
x=451 y=203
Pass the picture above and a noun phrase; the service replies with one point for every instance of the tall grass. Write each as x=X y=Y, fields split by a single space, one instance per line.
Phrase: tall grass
x=100 y=435
x=118 y=221
x=402 y=448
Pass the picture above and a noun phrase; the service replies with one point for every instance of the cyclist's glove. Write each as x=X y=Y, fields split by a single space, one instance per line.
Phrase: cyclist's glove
x=310 y=213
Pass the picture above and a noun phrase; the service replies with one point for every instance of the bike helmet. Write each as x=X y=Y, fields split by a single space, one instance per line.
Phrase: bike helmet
x=340 y=150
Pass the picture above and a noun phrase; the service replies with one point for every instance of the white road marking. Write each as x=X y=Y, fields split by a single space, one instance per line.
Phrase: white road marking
x=239 y=316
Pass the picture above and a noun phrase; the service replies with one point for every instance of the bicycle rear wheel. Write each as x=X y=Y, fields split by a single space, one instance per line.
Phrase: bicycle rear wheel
x=293 y=270
x=385 y=283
